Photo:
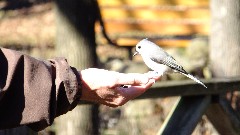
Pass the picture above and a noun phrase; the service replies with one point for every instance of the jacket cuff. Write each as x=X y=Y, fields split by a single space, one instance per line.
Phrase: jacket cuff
x=68 y=86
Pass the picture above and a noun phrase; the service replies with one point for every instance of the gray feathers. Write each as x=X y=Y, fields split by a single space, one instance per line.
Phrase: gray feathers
x=154 y=56
x=170 y=62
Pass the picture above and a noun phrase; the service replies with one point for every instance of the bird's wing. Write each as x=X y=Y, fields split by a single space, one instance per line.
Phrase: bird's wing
x=170 y=62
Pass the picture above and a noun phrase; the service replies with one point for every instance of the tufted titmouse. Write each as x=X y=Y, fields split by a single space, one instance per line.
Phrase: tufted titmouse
x=160 y=61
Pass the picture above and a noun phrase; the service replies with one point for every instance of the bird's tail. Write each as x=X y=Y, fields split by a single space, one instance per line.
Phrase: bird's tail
x=195 y=79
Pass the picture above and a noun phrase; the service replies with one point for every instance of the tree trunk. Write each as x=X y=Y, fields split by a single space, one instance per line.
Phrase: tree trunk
x=224 y=38
x=76 y=42
x=225 y=58
x=225 y=42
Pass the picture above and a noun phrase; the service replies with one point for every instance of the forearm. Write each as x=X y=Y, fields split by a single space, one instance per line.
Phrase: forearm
x=34 y=92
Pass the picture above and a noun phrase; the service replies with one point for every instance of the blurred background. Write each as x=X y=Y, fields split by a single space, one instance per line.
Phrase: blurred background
x=103 y=33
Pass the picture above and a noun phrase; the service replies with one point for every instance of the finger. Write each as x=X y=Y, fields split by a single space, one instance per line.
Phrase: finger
x=132 y=79
x=134 y=91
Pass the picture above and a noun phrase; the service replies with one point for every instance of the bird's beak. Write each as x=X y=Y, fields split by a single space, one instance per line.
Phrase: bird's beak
x=136 y=53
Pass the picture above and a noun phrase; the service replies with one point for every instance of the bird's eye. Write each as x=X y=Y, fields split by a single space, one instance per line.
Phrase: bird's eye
x=139 y=47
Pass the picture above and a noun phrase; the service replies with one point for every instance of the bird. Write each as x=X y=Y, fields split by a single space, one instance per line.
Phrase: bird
x=160 y=61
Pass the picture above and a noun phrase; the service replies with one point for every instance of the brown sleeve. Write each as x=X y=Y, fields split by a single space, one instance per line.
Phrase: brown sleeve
x=34 y=92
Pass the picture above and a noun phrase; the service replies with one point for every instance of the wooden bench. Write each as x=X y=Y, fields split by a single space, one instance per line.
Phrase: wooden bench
x=167 y=24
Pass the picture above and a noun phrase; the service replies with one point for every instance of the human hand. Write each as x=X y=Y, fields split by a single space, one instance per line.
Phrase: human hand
x=105 y=87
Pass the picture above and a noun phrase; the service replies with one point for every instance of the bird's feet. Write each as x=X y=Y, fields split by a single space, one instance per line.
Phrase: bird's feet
x=154 y=74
